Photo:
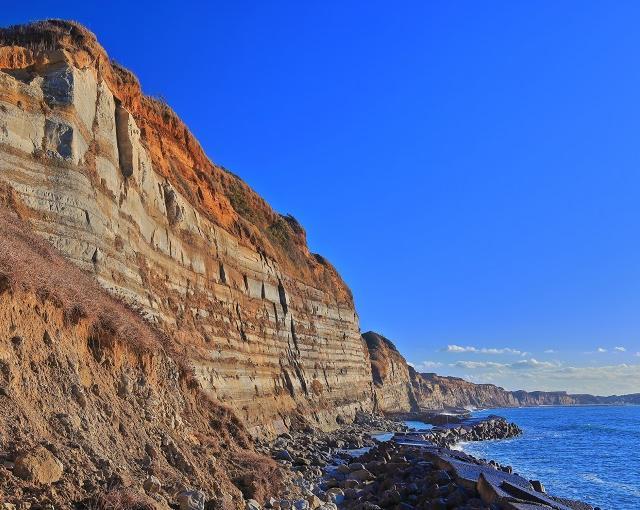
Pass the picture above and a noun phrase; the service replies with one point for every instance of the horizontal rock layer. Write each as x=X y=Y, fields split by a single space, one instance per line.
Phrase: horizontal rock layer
x=117 y=183
x=393 y=390
x=92 y=398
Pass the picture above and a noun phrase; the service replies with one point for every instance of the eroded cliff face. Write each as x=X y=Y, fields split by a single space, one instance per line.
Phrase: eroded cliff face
x=86 y=384
x=398 y=388
x=117 y=183
x=393 y=390
x=436 y=392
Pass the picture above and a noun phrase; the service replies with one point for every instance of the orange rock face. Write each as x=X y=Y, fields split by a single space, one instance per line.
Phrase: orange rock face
x=118 y=184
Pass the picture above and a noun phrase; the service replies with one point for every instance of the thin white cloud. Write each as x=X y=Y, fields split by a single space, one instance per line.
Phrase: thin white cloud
x=531 y=363
x=425 y=366
x=600 y=349
x=477 y=364
x=483 y=350
x=620 y=349
x=549 y=351
x=532 y=374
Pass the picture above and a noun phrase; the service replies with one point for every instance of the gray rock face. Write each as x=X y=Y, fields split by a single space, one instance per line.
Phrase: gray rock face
x=127 y=134
x=57 y=87
x=58 y=139
x=191 y=500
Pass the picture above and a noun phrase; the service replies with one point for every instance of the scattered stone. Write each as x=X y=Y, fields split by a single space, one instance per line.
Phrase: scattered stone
x=152 y=485
x=301 y=504
x=39 y=466
x=191 y=500
x=252 y=504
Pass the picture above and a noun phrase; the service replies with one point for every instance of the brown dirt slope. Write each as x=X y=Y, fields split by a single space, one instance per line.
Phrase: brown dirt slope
x=85 y=377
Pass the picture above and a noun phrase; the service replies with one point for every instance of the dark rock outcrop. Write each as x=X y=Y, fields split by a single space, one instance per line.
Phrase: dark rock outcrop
x=391 y=375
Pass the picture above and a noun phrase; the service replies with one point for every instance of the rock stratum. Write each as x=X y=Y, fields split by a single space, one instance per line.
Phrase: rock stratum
x=157 y=314
x=117 y=183
x=399 y=388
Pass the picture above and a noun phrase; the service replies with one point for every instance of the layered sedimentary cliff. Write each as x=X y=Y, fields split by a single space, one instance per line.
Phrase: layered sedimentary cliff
x=398 y=388
x=118 y=184
x=92 y=399
x=393 y=390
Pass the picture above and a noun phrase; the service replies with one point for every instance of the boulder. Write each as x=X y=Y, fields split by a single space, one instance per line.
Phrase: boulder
x=314 y=502
x=152 y=485
x=537 y=486
x=252 y=504
x=39 y=466
x=191 y=500
x=301 y=504
x=361 y=475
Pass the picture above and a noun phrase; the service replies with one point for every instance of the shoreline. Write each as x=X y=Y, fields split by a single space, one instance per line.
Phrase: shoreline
x=351 y=470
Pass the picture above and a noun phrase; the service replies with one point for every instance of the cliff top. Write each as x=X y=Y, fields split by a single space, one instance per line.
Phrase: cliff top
x=217 y=193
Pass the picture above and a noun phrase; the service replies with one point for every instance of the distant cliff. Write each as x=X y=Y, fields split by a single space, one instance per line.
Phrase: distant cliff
x=391 y=375
x=399 y=388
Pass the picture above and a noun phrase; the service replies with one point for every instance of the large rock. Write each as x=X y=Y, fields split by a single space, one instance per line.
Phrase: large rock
x=39 y=466
x=192 y=500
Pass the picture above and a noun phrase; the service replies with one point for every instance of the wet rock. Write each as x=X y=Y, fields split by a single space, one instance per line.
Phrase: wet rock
x=537 y=486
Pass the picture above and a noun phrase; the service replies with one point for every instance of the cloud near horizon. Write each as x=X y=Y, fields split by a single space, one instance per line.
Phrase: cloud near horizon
x=522 y=364
x=532 y=375
x=425 y=366
x=483 y=350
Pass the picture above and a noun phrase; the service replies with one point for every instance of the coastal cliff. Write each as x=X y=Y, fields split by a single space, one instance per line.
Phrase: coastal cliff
x=399 y=388
x=117 y=183
x=392 y=381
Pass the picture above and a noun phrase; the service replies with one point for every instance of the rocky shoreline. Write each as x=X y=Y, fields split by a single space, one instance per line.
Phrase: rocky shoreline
x=352 y=469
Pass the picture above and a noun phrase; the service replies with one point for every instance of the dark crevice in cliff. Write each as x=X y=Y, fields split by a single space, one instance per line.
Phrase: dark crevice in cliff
x=294 y=337
x=174 y=211
x=123 y=140
x=300 y=375
x=223 y=275
x=283 y=296
x=288 y=383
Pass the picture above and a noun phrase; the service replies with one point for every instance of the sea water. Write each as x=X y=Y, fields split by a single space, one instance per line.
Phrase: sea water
x=591 y=453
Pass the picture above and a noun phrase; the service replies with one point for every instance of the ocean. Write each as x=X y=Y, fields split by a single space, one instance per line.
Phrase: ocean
x=589 y=453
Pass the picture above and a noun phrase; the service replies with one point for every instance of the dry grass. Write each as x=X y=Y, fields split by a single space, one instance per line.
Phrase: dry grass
x=30 y=263
x=122 y=499
x=44 y=35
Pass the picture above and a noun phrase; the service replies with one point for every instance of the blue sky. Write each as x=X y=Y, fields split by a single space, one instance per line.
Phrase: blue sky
x=471 y=168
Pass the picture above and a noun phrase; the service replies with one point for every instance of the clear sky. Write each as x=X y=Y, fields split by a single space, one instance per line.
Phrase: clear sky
x=471 y=168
